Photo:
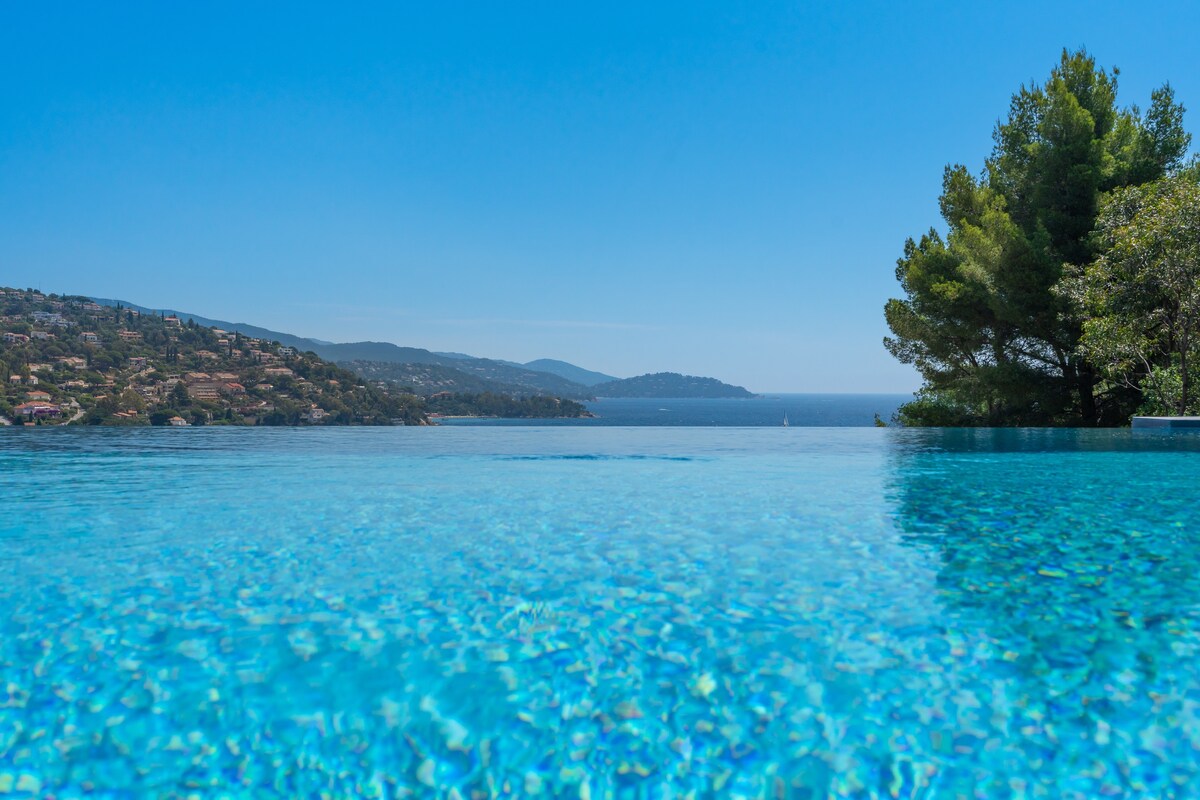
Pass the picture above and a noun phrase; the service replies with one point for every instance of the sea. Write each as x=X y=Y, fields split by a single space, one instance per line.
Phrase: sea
x=804 y=410
x=599 y=612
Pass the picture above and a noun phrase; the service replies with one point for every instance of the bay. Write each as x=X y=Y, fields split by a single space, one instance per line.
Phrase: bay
x=801 y=410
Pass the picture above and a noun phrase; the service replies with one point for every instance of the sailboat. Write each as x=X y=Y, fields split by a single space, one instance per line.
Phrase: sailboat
x=785 y=422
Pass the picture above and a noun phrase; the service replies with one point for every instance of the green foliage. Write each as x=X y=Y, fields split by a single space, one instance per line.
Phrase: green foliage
x=1164 y=391
x=100 y=411
x=1140 y=298
x=995 y=344
x=162 y=416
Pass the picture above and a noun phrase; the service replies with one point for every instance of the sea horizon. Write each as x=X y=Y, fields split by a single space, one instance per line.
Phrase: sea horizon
x=799 y=409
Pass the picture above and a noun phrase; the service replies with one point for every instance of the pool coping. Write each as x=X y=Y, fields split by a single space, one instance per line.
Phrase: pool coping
x=1166 y=422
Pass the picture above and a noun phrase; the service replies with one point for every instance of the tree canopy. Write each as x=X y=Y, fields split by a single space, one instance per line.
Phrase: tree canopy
x=1141 y=296
x=994 y=342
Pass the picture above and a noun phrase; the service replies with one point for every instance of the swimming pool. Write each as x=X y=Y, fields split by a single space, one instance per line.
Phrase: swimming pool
x=617 y=612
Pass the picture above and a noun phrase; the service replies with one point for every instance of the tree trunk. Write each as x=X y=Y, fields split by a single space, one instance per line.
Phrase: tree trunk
x=1183 y=369
x=1086 y=383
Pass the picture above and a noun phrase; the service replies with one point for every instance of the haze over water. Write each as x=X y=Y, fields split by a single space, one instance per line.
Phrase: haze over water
x=800 y=410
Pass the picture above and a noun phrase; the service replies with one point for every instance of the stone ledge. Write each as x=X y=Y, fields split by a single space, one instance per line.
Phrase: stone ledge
x=1166 y=422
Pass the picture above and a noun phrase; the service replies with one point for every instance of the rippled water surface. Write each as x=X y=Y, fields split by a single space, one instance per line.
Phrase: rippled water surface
x=608 y=612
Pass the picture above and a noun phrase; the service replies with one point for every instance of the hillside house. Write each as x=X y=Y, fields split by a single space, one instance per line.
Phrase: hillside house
x=47 y=317
x=137 y=362
x=14 y=338
x=87 y=337
x=204 y=391
x=38 y=410
x=130 y=336
x=314 y=415
x=37 y=395
x=41 y=336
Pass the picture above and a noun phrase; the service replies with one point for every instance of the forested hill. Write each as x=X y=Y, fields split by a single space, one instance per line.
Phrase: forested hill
x=431 y=372
x=468 y=375
x=669 y=384
x=429 y=379
x=585 y=377
x=69 y=360
x=486 y=374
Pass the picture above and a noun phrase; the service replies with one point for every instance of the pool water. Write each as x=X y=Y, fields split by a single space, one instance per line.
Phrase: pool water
x=599 y=613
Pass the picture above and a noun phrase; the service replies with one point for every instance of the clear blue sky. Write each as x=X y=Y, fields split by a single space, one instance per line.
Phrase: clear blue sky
x=717 y=189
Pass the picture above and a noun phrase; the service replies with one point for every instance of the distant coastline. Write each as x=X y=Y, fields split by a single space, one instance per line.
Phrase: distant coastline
x=426 y=373
x=832 y=410
x=73 y=360
x=669 y=385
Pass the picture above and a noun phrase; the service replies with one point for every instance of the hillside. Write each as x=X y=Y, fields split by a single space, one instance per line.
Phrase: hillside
x=529 y=380
x=584 y=377
x=457 y=372
x=501 y=372
x=428 y=379
x=69 y=360
x=244 y=328
x=669 y=384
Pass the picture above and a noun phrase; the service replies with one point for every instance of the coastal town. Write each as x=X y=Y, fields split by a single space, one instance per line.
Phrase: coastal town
x=69 y=360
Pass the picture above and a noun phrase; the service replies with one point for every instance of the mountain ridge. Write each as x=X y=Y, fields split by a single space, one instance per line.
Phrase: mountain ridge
x=540 y=376
x=570 y=371
x=501 y=372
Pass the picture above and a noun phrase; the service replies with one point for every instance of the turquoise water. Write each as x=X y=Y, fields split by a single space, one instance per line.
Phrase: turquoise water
x=611 y=612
